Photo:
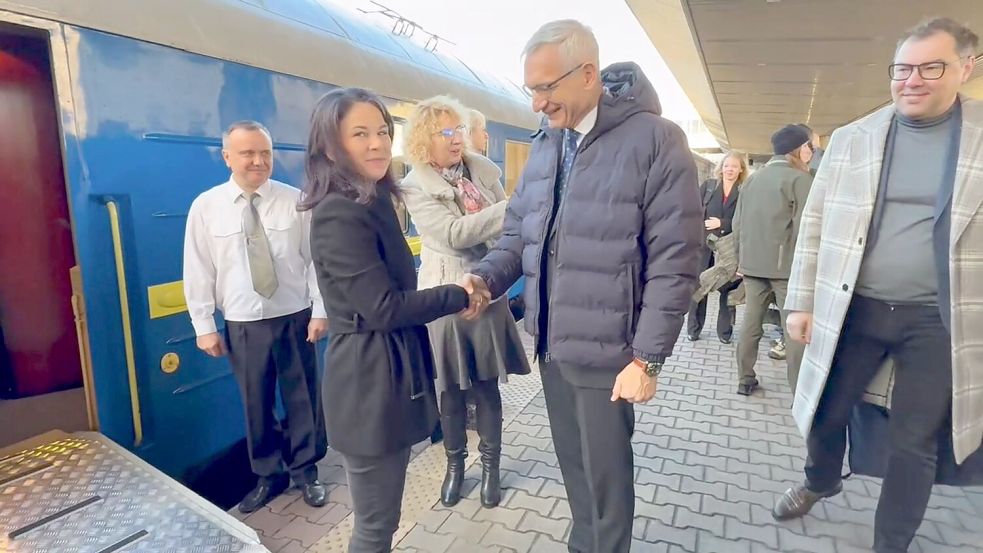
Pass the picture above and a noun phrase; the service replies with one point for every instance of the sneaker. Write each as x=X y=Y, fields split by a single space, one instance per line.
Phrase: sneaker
x=798 y=501
x=777 y=351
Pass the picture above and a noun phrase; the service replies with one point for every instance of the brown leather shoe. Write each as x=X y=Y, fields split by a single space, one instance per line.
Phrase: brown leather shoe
x=798 y=501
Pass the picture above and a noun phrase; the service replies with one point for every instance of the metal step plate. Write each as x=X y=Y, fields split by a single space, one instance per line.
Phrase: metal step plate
x=82 y=493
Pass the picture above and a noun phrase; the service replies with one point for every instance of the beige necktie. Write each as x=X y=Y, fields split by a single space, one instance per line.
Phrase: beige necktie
x=258 y=250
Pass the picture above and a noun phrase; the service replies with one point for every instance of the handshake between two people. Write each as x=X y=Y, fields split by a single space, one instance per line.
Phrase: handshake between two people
x=479 y=296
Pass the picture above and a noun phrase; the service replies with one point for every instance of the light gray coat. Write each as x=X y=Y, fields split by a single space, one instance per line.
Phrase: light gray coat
x=452 y=241
x=831 y=246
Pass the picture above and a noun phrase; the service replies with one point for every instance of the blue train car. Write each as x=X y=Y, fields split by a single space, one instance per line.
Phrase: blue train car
x=113 y=111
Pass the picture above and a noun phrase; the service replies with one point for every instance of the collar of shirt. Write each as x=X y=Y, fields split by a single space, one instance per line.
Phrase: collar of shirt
x=586 y=125
x=233 y=191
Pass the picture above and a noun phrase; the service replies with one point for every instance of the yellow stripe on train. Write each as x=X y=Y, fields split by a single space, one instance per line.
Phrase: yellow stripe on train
x=168 y=298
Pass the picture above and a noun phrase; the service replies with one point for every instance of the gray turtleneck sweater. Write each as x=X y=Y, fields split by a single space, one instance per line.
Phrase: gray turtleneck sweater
x=899 y=265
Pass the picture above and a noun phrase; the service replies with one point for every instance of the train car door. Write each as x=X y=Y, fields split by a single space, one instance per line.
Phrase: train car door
x=41 y=380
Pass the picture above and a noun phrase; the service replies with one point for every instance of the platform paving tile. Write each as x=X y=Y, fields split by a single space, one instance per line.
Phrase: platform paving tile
x=709 y=466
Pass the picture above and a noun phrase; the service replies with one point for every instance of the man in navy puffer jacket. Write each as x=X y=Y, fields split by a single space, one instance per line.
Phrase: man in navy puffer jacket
x=606 y=225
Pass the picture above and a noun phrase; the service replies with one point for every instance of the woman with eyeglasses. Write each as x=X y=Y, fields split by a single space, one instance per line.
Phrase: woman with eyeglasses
x=455 y=199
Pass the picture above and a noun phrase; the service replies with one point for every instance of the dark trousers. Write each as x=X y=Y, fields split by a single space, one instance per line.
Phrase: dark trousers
x=376 y=486
x=921 y=348
x=592 y=438
x=263 y=353
x=758 y=293
x=488 y=408
x=725 y=315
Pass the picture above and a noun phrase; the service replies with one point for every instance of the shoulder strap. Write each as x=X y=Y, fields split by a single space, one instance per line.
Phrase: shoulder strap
x=709 y=190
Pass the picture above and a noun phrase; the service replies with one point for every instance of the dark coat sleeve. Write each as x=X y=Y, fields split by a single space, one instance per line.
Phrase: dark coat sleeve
x=673 y=236
x=343 y=242
x=502 y=265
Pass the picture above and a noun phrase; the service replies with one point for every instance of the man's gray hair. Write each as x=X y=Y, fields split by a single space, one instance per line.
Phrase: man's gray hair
x=966 y=40
x=476 y=119
x=246 y=125
x=575 y=40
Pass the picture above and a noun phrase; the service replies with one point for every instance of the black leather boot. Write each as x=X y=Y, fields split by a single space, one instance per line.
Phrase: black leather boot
x=450 y=491
x=456 y=447
x=491 y=486
x=490 y=432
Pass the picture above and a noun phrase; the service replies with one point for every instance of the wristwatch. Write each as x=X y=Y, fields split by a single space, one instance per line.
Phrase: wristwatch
x=651 y=368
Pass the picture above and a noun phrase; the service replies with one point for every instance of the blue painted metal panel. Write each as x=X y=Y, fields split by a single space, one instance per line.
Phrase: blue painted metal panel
x=149 y=120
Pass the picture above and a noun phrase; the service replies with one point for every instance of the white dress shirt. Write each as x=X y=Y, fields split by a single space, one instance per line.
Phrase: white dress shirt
x=216 y=268
x=586 y=125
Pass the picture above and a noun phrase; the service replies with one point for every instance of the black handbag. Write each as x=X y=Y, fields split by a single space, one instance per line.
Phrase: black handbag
x=870 y=447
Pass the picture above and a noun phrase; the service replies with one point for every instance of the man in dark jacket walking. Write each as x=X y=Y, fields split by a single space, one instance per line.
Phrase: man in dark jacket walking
x=606 y=224
x=765 y=226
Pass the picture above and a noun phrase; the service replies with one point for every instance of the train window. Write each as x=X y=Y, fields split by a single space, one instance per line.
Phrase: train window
x=400 y=169
x=516 y=155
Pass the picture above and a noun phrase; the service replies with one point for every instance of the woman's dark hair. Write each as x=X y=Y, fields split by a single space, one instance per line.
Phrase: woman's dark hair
x=327 y=166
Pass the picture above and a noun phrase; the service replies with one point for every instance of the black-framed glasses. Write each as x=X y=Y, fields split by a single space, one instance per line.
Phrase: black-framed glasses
x=930 y=71
x=548 y=88
x=448 y=134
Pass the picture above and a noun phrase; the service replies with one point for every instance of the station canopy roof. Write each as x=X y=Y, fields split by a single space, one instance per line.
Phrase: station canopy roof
x=752 y=66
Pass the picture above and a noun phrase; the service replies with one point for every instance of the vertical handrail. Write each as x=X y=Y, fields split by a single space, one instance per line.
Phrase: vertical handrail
x=124 y=307
x=85 y=357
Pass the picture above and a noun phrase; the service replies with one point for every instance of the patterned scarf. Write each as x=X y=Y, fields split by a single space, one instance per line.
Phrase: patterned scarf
x=471 y=199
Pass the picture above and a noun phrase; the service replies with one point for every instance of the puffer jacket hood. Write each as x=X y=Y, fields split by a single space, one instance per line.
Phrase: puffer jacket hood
x=627 y=92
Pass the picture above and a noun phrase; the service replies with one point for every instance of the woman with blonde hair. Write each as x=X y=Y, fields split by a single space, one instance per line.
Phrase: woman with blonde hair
x=719 y=196
x=456 y=200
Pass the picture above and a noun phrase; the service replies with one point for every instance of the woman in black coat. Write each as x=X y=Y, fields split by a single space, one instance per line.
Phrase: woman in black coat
x=719 y=202
x=378 y=390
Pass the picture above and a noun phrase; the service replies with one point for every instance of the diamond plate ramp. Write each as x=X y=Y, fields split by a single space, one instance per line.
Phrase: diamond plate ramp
x=75 y=493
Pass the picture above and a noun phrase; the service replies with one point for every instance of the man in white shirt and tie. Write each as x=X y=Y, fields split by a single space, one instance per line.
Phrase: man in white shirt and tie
x=247 y=254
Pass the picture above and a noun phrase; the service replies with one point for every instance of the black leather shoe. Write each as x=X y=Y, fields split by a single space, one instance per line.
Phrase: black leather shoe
x=725 y=340
x=314 y=494
x=693 y=337
x=264 y=492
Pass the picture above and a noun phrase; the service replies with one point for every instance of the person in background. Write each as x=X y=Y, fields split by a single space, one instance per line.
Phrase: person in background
x=478 y=131
x=719 y=196
x=246 y=254
x=766 y=223
x=457 y=203
x=815 y=142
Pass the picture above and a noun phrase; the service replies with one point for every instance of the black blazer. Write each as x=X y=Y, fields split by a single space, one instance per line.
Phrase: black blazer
x=378 y=390
x=712 y=192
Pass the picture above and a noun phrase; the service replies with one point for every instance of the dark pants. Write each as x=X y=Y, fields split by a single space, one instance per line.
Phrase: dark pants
x=921 y=348
x=488 y=408
x=725 y=314
x=376 y=486
x=263 y=353
x=592 y=438
x=758 y=293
